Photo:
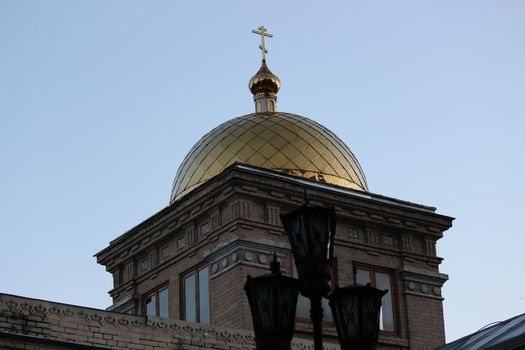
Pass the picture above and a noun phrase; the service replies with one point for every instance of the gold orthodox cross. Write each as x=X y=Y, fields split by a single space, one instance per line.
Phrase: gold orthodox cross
x=262 y=33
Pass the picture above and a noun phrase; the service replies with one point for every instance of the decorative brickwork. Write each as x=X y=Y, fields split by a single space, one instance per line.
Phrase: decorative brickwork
x=36 y=324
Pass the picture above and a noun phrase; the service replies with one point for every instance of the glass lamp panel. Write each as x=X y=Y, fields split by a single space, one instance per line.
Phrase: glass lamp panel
x=163 y=303
x=320 y=233
x=356 y=309
x=295 y=231
x=288 y=291
x=151 y=305
x=369 y=318
x=387 y=313
x=204 y=296
x=346 y=313
x=261 y=303
x=190 y=303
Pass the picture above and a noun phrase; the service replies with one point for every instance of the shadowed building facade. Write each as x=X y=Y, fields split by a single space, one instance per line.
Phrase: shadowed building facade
x=179 y=275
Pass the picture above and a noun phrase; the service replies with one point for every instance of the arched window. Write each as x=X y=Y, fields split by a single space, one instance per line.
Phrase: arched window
x=271 y=105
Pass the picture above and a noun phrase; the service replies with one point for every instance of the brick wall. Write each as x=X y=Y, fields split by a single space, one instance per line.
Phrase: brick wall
x=36 y=324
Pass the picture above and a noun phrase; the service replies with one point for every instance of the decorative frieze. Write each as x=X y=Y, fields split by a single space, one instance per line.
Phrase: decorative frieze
x=116 y=278
x=246 y=209
x=422 y=282
x=430 y=246
x=406 y=242
x=424 y=289
x=235 y=208
x=237 y=251
x=130 y=270
x=216 y=220
x=191 y=234
x=371 y=236
x=144 y=264
x=353 y=233
x=388 y=240
x=272 y=214
x=181 y=243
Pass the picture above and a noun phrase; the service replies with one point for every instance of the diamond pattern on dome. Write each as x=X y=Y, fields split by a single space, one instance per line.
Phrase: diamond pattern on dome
x=276 y=141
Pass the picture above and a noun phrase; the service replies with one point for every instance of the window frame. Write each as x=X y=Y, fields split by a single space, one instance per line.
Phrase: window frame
x=194 y=271
x=156 y=292
x=393 y=290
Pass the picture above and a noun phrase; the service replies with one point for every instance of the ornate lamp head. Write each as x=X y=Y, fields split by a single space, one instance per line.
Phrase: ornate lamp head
x=356 y=310
x=311 y=231
x=273 y=299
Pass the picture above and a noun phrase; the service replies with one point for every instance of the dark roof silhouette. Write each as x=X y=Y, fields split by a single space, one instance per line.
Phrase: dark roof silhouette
x=505 y=335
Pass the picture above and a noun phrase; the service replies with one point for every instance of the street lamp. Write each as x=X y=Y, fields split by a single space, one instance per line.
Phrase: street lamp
x=311 y=232
x=273 y=300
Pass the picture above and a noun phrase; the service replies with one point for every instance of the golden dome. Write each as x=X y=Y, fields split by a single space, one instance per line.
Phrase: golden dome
x=277 y=141
x=264 y=81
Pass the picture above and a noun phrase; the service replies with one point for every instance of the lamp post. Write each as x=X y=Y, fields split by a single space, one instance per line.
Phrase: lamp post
x=273 y=298
x=311 y=232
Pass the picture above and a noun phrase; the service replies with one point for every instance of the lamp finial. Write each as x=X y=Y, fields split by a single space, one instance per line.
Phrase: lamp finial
x=275 y=265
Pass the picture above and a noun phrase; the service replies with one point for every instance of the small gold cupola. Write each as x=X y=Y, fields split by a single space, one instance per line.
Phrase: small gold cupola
x=264 y=85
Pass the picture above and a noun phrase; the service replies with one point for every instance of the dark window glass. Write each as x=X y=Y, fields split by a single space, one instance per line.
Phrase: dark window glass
x=163 y=303
x=380 y=280
x=151 y=305
x=197 y=296
x=156 y=303
x=204 y=296
x=387 y=311
x=363 y=277
x=189 y=298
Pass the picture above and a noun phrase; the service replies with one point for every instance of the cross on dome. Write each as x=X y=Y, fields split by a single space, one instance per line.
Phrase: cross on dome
x=262 y=32
x=264 y=84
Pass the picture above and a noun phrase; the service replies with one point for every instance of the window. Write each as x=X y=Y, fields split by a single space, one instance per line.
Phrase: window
x=166 y=252
x=196 y=300
x=205 y=228
x=156 y=302
x=303 y=303
x=380 y=279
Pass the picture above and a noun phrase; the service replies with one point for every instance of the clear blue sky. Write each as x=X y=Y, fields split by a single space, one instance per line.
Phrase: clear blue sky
x=101 y=100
